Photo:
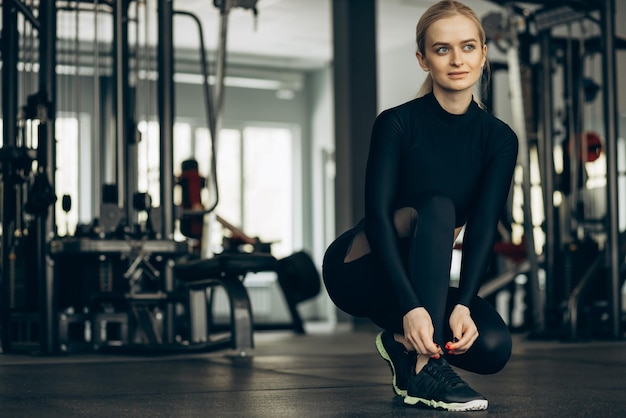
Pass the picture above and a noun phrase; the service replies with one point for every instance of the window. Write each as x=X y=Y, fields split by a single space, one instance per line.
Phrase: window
x=268 y=186
x=229 y=173
x=255 y=181
x=254 y=173
x=66 y=176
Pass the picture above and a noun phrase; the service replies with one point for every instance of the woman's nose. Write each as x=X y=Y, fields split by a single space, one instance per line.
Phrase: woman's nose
x=456 y=58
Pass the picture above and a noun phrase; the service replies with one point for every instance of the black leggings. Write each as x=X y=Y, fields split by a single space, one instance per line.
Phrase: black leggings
x=359 y=287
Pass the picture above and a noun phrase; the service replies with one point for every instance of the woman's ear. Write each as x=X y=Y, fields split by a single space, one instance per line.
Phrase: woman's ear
x=422 y=61
x=484 y=55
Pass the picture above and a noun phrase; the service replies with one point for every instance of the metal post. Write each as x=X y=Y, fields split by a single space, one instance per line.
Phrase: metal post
x=96 y=132
x=547 y=168
x=46 y=158
x=519 y=125
x=572 y=115
x=610 y=126
x=9 y=46
x=165 y=88
x=220 y=71
x=165 y=92
x=120 y=75
x=354 y=73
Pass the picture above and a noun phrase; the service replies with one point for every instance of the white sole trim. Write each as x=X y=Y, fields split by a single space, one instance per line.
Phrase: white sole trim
x=475 y=405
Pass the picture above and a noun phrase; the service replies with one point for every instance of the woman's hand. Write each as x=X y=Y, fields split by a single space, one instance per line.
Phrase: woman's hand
x=419 y=331
x=463 y=329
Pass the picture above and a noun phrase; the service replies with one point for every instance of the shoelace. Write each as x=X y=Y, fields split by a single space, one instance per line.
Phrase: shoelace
x=442 y=370
x=402 y=348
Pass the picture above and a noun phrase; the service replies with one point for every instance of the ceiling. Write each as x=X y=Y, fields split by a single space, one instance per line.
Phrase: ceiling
x=295 y=33
x=285 y=34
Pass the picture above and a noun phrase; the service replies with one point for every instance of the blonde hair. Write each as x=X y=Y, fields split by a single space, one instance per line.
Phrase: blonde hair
x=442 y=10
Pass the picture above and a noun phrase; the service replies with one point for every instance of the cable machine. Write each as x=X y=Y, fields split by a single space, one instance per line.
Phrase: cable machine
x=132 y=295
x=582 y=259
x=28 y=165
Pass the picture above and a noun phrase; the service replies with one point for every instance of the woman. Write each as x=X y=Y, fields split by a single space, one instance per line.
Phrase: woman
x=436 y=164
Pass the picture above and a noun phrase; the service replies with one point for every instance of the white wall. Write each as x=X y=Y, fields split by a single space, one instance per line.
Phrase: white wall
x=322 y=143
x=399 y=76
x=322 y=202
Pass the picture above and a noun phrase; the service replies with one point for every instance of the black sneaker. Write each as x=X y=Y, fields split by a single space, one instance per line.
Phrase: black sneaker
x=438 y=386
x=401 y=362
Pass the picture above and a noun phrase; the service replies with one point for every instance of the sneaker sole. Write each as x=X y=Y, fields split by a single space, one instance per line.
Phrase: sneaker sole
x=475 y=405
x=383 y=353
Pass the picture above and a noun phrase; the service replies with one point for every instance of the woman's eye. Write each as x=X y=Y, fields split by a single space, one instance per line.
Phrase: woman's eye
x=469 y=47
x=442 y=50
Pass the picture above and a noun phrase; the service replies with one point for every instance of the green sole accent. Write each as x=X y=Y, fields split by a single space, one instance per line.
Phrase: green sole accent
x=383 y=353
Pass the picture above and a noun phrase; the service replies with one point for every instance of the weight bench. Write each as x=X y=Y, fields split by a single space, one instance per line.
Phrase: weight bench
x=228 y=270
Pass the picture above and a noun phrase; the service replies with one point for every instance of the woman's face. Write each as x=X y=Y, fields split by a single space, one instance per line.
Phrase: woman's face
x=453 y=54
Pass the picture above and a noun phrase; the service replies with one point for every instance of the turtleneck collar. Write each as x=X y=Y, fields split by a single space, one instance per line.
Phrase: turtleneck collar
x=449 y=118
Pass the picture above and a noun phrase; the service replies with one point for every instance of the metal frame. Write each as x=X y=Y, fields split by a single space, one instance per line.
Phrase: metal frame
x=45 y=24
x=14 y=156
x=609 y=94
x=611 y=257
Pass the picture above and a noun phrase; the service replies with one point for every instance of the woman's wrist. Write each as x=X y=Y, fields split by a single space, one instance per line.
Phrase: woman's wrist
x=462 y=308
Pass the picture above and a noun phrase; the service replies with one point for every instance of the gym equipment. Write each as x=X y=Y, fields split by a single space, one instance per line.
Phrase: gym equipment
x=111 y=285
x=297 y=276
x=582 y=257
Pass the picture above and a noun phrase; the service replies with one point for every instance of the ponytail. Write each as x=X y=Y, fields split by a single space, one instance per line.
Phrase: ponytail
x=427 y=86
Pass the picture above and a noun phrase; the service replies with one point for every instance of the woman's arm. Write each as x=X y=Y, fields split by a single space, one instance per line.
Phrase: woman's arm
x=381 y=184
x=481 y=227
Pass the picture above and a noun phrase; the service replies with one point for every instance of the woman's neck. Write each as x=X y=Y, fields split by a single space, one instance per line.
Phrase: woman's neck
x=455 y=103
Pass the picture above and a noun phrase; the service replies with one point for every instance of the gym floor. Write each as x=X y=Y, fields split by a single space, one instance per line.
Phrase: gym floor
x=314 y=375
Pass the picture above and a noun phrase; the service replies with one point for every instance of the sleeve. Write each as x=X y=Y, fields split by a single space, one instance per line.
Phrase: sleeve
x=482 y=225
x=381 y=183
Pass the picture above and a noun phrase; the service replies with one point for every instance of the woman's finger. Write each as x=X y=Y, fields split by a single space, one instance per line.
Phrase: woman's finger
x=463 y=344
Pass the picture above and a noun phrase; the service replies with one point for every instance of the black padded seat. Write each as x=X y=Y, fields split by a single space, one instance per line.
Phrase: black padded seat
x=299 y=280
x=224 y=264
x=228 y=270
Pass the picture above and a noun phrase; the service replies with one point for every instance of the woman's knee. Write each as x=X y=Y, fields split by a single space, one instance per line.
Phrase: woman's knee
x=436 y=210
x=434 y=204
x=489 y=354
x=496 y=347
x=494 y=341
x=492 y=350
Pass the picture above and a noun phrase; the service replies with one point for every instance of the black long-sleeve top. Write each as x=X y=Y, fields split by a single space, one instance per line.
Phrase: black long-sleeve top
x=419 y=149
